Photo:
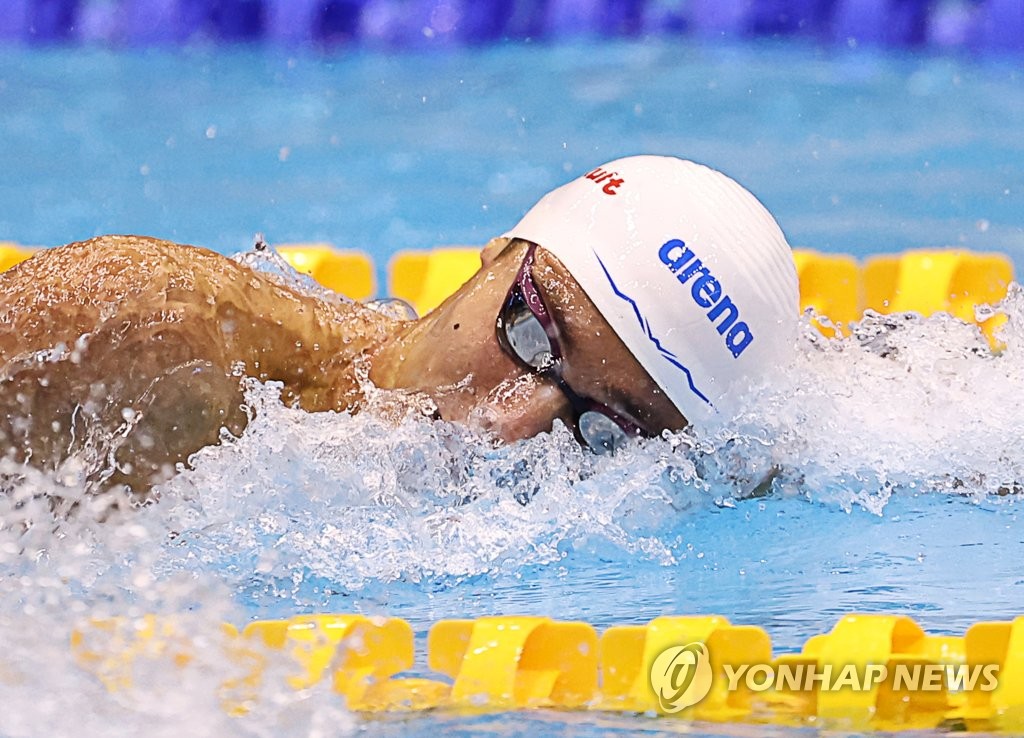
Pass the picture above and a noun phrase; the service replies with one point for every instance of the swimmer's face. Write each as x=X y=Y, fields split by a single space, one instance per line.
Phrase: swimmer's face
x=453 y=355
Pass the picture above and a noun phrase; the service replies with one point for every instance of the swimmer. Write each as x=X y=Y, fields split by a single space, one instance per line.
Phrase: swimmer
x=642 y=296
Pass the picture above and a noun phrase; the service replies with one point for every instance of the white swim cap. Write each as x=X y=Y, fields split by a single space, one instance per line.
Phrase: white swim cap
x=688 y=268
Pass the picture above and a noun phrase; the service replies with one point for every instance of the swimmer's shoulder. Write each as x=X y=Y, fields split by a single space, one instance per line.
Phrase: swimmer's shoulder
x=80 y=284
x=122 y=264
x=109 y=254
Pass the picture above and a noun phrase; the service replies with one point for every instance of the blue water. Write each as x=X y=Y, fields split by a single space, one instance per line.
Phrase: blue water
x=893 y=469
x=857 y=152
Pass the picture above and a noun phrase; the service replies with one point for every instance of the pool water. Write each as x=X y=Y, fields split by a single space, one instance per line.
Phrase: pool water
x=897 y=447
x=856 y=153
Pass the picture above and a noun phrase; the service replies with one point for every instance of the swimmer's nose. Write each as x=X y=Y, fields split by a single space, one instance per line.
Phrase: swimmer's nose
x=520 y=407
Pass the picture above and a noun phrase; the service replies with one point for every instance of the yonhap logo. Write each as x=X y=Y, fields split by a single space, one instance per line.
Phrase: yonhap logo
x=681 y=676
x=708 y=293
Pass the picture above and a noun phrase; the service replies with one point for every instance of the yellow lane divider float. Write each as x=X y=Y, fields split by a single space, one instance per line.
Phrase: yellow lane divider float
x=516 y=662
x=831 y=284
x=629 y=664
x=835 y=285
x=425 y=279
x=348 y=272
x=12 y=253
x=921 y=281
x=938 y=281
x=870 y=672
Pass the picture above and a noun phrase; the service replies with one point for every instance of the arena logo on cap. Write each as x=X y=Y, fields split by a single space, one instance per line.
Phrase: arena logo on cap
x=707 y=292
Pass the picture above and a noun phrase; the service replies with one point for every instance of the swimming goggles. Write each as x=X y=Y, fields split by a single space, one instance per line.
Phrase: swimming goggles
x=526 y=331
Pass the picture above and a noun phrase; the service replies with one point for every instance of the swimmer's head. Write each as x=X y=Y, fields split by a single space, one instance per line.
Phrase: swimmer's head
x=687 y=267
x=662 y=286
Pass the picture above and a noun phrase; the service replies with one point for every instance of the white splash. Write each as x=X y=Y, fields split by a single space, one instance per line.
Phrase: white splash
x=905 y=401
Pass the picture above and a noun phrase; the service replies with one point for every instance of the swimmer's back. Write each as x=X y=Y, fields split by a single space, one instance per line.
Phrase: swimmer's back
x=62 y=293
x=125 y=331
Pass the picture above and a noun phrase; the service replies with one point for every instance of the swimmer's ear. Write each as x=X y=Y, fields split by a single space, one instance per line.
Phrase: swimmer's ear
x=492 y=250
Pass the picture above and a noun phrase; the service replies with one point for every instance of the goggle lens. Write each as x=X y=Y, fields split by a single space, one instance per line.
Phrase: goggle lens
x=526 y=337
x=602 y=434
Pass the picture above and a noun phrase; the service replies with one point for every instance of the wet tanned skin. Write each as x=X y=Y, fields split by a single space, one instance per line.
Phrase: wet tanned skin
x=131 y=349
x=127 y=333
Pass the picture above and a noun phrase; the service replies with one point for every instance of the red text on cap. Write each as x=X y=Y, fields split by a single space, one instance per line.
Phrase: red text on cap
x=612 y=180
